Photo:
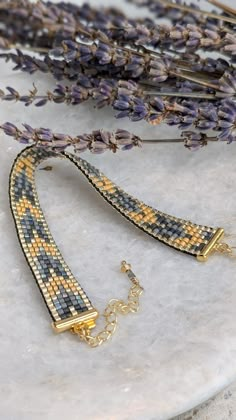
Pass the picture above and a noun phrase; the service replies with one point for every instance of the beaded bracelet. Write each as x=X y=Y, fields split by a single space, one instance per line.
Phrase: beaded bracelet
x=68 y=304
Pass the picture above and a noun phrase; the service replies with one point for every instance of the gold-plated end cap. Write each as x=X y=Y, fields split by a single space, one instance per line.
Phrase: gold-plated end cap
x=86 y=319
x=210 y=247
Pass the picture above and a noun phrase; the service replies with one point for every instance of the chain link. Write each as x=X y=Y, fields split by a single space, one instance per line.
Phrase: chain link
x=224 y=248
x=114 y=308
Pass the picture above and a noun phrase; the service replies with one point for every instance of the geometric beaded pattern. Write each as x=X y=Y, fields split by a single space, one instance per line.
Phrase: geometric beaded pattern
x=175 y=232
x=62 y=293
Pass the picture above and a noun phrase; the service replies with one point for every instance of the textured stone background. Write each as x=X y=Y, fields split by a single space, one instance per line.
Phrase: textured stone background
x=220 y=407
x=180 y=349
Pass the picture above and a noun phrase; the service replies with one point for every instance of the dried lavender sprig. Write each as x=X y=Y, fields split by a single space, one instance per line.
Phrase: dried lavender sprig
x=88 y=13
x=91 y=58
x=61 y=68
x=191 y=36
x=123 y=62
x=103 y=60
x=38 y=24
x=125 y=31
x=98 y=141
x=203 y=116
x=38 y=13
x=161 y=10
x=28 y=22
x=161 y=70
x=62 y=21
x=72 y=69
x=127 y=63
x=129 y=100
x=102 y=18
x=25 y=62
x=188 y=37
x=222 y=17
x=219 y=116
x=66 y=17
x=103 y=91
x=73 y=94
x=179 y=11
x=193 y=15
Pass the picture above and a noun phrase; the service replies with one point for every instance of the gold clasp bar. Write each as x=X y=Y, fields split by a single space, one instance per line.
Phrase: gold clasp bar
x=209 y=248
x=85 y=319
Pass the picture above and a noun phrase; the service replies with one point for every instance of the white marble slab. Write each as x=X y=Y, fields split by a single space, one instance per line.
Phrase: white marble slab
x=180 y=349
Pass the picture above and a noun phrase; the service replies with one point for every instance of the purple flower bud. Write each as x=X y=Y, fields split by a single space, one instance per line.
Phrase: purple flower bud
x=45 y=134
x=71 y=45
x=205 y=125
x=122 y=114
x=41 y=102
x=28 y=128
x=121 y=105
x=128 y=147
x=9 y=129
x=194 y=141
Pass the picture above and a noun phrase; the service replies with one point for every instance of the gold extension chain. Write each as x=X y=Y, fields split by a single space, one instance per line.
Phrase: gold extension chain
x=114 y=308
x=224 y=248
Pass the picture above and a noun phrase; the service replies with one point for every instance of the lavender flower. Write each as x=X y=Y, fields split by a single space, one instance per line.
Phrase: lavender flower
x=125 y=62
x=37 y=14
x=220 y=117
x=202 y=115
x=187 y=37
x=73 y=59
x=193 y=140
x=129 y=100
x=102 y=91
x=61 y=21
x=98 y=141
x=25 y=62
x=101 y=59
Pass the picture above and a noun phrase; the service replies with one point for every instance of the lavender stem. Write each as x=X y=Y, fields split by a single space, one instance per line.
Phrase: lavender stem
x=226 y=9
x=179 y=140
x=193 y=79
x=210 y=96
x=198 y=11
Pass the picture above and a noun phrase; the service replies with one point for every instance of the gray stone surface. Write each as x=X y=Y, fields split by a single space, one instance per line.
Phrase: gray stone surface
x=220 y=407
x=180 y=349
